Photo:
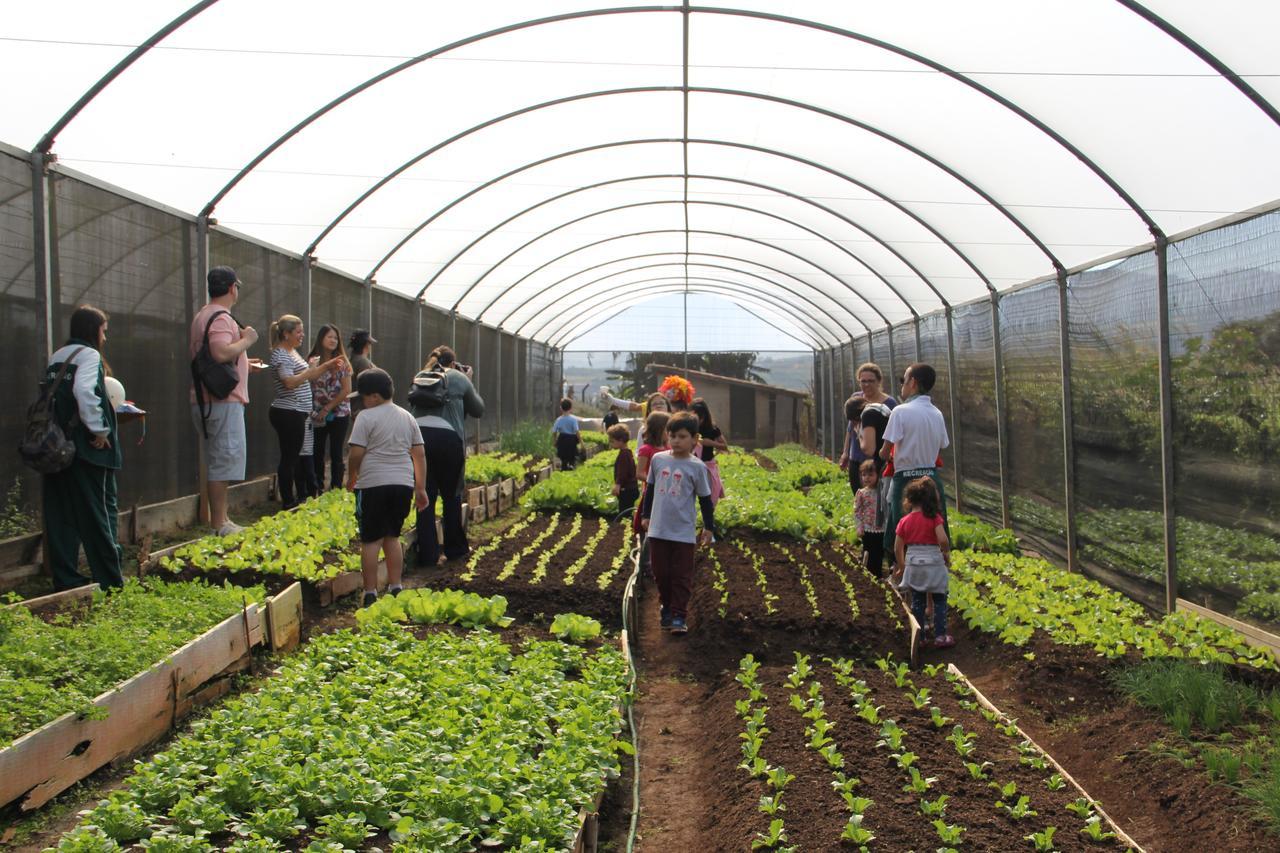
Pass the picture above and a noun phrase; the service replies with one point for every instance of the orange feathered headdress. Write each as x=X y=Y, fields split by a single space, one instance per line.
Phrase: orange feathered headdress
x=677 y=388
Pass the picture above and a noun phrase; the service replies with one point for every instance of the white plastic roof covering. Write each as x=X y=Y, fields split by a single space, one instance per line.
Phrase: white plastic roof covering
x=845 y=166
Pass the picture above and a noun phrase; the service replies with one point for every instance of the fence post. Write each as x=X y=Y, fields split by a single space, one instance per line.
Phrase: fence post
x=1068 y=424
x=498 y=361
x=1166 y=428
x=202 y=255
x=419 y=306
x=308 y=261
x=368 y=304
x=953 y=381
x=915 y=323
x=894 y=371
x=42 y=248
x=1002 y=428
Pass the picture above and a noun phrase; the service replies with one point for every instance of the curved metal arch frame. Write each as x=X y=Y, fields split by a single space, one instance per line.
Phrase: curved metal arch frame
x=888 y=137
x=686 y=263
x=887 y=199
x=872 y=129
x=607 y=311
x=667 y=285
x=677 y=287
x=686 y=203
x=1185 y=41
x=686 y=231
x=592 y=289
x=614 y=181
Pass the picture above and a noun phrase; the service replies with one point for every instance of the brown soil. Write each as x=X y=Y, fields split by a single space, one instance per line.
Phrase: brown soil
x=549 y=596
x=1063 y=698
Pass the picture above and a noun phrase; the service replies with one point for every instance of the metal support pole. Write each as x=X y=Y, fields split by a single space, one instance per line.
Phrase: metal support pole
x=498 y=361
x=368 y=304
x=1068 y=425
x=308 y=261
x=1166 y=428
x=453 y=329
x=202 y=254
x=893 y=361
x=871 y=347
x=915 y=324
x=953 y=382
x=41 y=226
x=418 y=303
x=1002 y=428
x=476 y=346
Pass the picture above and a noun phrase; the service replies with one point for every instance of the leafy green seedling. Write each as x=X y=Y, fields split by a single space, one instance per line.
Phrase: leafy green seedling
x=978 y=771
x=1093 y=830
x=920 y=698
x=936 y=717
x=1007 y=790
x=1019 y=810
x=1042 y=840
x=1081 y=806
x=857 y=805
x=934 y=808
x=778 y=778
x=933 y=669
x=854 y=831
x=905 y=759
x=1055 y=782
x=919 y=784
x=771 y=805
x=773 y=838
x=948 y=833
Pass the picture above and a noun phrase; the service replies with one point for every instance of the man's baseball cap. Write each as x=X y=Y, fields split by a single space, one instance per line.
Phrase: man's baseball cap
x=360 y=337
x=220 y=280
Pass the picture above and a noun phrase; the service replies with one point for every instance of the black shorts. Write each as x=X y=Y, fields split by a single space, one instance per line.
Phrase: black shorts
x=381 y=511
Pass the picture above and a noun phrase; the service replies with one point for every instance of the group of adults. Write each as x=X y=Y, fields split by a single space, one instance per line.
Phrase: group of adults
x=904 y=437
x=311 y=412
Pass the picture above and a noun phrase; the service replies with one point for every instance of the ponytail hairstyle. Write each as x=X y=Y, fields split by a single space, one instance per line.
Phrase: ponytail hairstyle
x=705 y=422
x=922 y=494
x=441 y=358
x=86 y=322
x=284 y=326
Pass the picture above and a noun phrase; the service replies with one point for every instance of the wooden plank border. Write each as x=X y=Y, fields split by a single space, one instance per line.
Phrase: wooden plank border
x=55 y=599
x=1121 y=835
x=283 y=613
x=43 y=763
x=1253 y=635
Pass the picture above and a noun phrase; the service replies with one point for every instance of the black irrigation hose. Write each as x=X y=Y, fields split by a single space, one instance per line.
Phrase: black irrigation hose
x=627 y=597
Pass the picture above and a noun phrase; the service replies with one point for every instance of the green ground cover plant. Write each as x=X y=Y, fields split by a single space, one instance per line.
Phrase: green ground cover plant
x=312 y=543
x=527 y=438
x=598 y=440
x=1013 y=597
x=49 y=668
x=1231 y=727
x=970 y=533
x=485 y=468
x=447 y=743
x=584 y=489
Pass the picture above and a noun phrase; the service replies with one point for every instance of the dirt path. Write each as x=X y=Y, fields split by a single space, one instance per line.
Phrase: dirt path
x=671 y=730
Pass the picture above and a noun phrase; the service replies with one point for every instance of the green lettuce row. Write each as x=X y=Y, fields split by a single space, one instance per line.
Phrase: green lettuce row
x=50 y=668
x=493 y=467
x=288 y=543
x=1013 y=597
x=448 y=743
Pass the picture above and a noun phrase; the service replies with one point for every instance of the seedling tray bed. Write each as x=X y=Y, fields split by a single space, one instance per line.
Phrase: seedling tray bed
x=48 y=760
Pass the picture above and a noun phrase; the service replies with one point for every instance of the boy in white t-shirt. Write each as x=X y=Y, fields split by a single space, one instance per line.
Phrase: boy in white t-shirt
x=386 y=468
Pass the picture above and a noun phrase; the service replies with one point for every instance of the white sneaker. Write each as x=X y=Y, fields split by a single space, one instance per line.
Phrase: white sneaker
x=229 y=529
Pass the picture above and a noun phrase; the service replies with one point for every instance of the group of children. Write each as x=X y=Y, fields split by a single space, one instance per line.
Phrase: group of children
x=922 y=551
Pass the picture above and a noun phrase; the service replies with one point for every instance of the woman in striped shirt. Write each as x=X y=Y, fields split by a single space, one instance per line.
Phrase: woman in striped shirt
x=292 y=406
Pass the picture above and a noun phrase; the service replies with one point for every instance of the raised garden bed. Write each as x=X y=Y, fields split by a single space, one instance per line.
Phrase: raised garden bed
x=47 y=760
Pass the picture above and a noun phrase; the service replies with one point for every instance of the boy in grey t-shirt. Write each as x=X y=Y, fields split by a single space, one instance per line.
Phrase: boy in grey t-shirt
x=676 y=480
x=387 y=468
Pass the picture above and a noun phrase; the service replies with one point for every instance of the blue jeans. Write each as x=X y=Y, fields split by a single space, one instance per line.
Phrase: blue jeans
x=918 y=602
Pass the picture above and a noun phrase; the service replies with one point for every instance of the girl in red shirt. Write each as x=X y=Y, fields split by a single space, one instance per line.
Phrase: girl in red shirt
x=924 y=556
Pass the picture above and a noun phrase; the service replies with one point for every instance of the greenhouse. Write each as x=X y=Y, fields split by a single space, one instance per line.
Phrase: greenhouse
x=1051 y=230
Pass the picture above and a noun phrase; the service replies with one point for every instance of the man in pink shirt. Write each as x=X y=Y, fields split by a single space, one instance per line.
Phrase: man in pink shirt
x=222 y=421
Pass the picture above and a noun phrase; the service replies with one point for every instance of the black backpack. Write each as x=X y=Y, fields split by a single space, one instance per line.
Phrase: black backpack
x=218 y=378
x=45 y=446
x=430 y=389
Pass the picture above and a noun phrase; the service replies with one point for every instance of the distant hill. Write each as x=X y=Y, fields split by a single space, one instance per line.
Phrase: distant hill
x=793 y=371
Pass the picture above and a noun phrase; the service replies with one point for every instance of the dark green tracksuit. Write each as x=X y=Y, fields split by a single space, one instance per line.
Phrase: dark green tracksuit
x=80 y=502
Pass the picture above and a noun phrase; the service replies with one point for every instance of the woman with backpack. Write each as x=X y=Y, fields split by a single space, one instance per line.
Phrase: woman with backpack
x=80 y=500
x=441 y=398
